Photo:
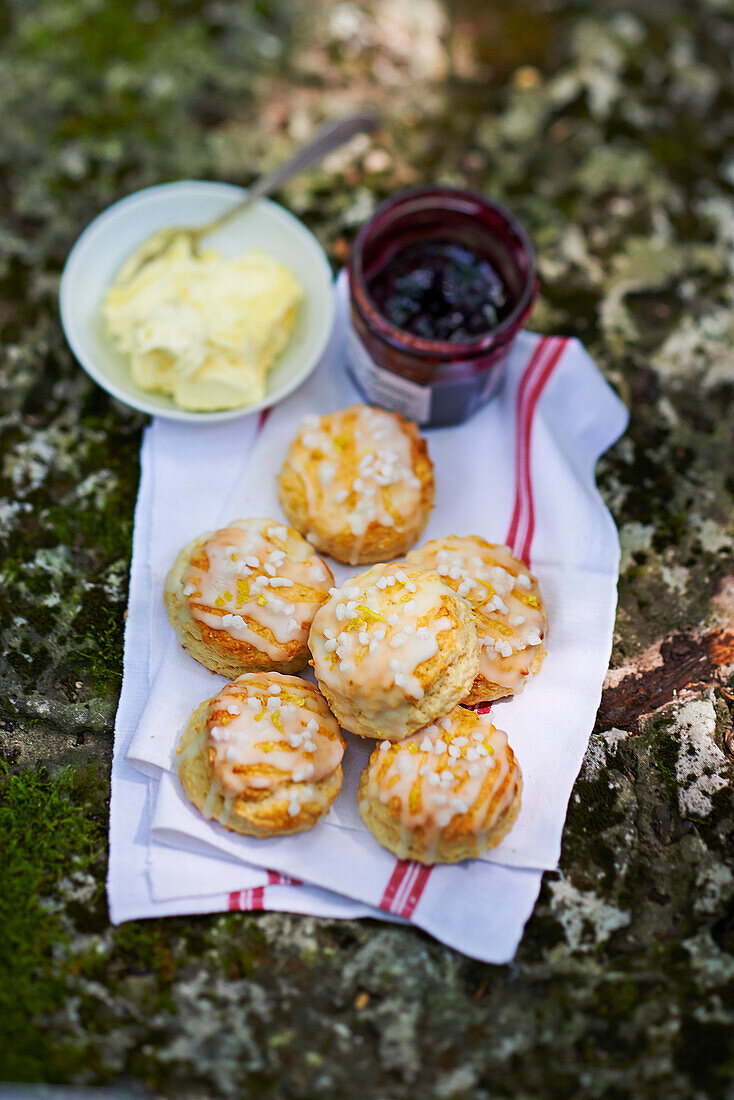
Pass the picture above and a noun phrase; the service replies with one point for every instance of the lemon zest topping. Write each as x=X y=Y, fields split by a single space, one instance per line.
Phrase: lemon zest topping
x=219 y=602
x=261 y=601
x=296 y=700
x=243 y=591
x=370 y=615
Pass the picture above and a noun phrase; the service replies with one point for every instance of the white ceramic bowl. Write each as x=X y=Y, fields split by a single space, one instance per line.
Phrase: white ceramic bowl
x=100 y=251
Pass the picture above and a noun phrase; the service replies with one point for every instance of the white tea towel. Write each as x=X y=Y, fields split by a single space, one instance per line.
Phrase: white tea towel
x=486 y=484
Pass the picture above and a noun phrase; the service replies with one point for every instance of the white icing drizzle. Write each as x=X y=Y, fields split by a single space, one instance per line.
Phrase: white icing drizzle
x=262 y=585
x=357 y=470
x=277 y=737
x=504 y=597
x=459 y=775
x=372 y=635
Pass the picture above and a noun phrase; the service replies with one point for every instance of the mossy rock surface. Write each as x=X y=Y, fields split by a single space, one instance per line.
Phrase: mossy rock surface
x=609 y=132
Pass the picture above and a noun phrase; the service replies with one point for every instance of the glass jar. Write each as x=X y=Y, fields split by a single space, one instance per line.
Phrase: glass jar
x=435 y=382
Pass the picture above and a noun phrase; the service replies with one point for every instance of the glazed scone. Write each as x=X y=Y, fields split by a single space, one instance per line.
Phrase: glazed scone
x=448 y=792
x=262 y=756
x=358 y=484
x=393 y=649
x=509 y=611
x=242 y=599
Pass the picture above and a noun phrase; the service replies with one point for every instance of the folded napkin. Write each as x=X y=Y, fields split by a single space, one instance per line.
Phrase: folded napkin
x=521 y=471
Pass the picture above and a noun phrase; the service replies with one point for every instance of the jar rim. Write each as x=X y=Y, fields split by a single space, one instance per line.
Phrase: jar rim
x=442 y=349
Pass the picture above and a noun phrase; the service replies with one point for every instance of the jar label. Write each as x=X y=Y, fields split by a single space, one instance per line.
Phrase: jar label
x=383 y=387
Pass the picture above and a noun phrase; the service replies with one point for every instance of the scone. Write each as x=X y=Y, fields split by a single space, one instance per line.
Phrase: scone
x=262 y=756
x=358 y=484
x=243 y=598
x=448 y=792
x=509 y=612
x=393 y=649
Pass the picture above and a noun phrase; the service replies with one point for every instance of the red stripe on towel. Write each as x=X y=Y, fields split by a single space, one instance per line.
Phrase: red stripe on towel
x=409 y=880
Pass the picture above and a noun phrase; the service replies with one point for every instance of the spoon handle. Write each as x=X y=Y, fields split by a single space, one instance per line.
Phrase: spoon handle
x=327 y=138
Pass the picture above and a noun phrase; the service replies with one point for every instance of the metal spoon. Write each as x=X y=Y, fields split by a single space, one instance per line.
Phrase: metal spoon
x=327 y=138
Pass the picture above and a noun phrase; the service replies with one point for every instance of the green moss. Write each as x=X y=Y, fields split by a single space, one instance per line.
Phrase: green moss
x=664 y=746
x=47 y=833
x=96 y=37
x=706 y=1051
x=619 y=998
x=100 y=628
x=591 y=832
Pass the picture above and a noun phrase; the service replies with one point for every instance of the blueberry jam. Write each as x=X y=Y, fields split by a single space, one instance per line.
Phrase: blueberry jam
x=439 y=290
x=441 y=281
